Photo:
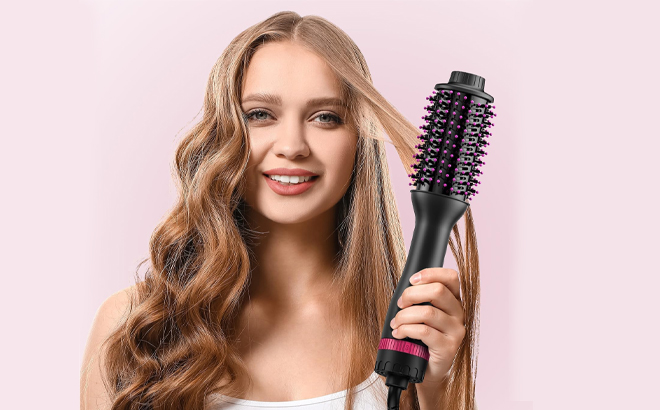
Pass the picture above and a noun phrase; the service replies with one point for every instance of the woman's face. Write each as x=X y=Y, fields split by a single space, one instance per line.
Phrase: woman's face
x=289 y=132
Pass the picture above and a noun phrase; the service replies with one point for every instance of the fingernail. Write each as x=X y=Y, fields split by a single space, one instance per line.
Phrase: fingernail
x=415 y=278
x=392 y=323
x=398 y=302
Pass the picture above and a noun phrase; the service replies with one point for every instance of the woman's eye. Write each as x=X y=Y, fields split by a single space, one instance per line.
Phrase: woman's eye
x=256 y=112
x=333 y=117
x=258 y=116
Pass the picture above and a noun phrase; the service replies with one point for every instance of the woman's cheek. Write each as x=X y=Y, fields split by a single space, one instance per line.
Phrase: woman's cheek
x=340 y=160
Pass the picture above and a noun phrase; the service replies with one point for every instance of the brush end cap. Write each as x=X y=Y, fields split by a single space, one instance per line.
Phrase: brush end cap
x=470 y=80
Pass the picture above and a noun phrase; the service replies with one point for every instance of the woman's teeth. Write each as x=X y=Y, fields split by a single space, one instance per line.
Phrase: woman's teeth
x=289 y=179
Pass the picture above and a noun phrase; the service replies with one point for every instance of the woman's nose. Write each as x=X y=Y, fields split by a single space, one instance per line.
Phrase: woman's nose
x=291 y=140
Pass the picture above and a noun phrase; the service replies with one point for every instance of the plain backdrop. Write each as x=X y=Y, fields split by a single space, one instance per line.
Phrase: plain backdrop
x=96 y=95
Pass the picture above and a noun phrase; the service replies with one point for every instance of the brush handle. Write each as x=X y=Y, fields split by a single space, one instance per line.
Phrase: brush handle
x=435 y=216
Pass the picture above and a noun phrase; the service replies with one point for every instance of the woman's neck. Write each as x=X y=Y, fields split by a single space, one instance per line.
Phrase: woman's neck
x=294 y=262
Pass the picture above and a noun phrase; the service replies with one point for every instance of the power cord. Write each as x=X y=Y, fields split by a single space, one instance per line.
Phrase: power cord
x=393 y=396
x=397 y=383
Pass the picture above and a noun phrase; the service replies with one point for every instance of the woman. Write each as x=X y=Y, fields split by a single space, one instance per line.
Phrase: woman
x=265 y=286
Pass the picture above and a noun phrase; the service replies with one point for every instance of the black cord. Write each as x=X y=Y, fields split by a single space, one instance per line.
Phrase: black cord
x=397 y=383
x=393 y=396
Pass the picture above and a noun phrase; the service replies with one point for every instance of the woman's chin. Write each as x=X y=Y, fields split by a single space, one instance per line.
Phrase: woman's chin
x=290 y=215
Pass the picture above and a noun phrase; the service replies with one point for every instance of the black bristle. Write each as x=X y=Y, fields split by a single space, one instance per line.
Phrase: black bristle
x=454 y=137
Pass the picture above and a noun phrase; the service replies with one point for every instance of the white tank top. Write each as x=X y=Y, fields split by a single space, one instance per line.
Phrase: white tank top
x=371 y=394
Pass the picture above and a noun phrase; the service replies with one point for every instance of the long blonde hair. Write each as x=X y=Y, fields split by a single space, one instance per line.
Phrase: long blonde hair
x=175 y=345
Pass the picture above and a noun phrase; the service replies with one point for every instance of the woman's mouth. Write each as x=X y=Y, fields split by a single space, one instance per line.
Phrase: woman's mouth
x=289 y=185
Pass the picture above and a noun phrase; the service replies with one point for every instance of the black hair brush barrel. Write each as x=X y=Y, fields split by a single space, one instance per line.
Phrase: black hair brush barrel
x=447 y=165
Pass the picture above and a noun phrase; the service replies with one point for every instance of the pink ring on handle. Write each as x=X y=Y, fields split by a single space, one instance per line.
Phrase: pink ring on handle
x=404 y=347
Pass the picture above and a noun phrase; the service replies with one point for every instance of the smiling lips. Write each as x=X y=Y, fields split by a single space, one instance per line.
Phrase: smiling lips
x=293 y=189
x=290 y=171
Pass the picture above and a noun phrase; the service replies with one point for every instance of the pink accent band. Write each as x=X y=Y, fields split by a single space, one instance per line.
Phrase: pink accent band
x=405 y=347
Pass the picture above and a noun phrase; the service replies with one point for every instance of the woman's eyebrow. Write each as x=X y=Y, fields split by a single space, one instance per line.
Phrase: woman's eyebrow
x=277 y=100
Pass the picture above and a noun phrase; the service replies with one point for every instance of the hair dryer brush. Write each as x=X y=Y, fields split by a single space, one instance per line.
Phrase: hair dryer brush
x=449 y=156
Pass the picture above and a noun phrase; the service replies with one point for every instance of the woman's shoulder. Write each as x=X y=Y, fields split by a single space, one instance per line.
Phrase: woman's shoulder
x=114 y=308
x=110 y=314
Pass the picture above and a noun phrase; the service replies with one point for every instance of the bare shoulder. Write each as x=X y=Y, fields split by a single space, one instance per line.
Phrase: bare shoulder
x=109 y=315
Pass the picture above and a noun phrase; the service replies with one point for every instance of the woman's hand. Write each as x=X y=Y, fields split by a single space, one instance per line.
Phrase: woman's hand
x=441 y=326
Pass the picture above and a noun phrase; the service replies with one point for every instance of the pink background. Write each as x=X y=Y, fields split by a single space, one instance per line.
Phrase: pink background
x=95 y=96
